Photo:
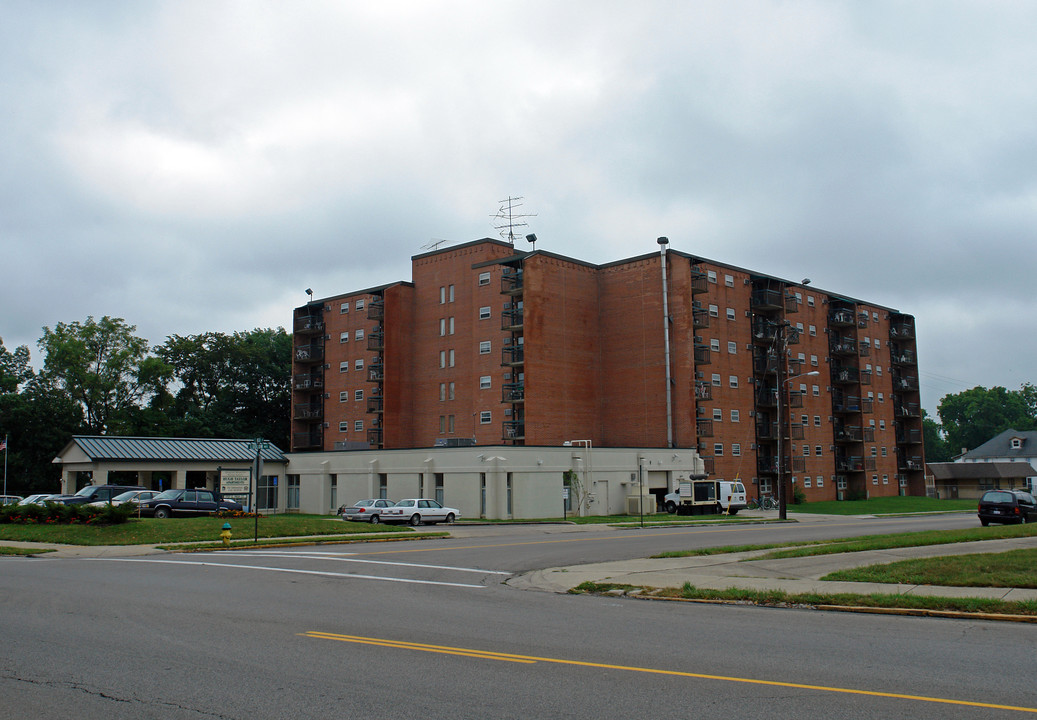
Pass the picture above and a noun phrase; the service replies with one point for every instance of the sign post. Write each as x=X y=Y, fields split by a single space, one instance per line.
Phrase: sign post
x=259 y=445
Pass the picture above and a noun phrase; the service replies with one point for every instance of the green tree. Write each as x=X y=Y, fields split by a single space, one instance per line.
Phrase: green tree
x=972 y=417
x=936 y=449
x=102 y=366
x=14 y=368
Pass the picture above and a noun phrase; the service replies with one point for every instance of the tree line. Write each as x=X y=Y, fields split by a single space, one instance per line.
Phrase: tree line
x=970 y=418
x=99 y=378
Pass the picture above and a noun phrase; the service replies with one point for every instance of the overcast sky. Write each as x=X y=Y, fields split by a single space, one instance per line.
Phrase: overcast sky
x=195 y=166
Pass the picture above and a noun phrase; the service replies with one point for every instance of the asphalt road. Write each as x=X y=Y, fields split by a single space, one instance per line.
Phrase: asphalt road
x=388 y=630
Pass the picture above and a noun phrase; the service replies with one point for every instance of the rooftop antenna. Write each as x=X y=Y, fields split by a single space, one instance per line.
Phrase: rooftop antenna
x=433 y=244
x=508 y=219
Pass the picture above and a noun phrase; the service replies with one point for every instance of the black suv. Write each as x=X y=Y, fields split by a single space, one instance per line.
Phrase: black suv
x=96 y=493
x=1007 y=506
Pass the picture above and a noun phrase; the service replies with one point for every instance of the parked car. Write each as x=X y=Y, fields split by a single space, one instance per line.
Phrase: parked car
x=419 y=510
x=731 y=498
x=136 y=496
x=186 y=503
x=93 y=493
x=1007 y=506
x=37 y=499
x=10 y=499
x=365 y=510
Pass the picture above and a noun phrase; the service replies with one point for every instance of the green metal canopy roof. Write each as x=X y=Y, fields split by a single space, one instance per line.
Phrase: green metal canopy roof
x=184 y=449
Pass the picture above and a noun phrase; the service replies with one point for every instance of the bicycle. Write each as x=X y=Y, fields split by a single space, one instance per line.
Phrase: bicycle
x=764 y=503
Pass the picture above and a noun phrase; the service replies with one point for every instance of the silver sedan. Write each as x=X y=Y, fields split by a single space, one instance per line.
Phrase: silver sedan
x=365 y=510
x=417 y=511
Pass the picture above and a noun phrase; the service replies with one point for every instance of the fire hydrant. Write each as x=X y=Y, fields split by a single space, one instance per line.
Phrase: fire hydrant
x=225 y=534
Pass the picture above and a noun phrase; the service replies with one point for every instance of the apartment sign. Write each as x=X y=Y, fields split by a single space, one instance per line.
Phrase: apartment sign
x=235 y=482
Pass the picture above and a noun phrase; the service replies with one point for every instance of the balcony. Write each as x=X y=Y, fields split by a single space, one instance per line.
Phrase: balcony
x=796 y=432
x=868 y=405
x=906 y=383
x=766 y=465
x=796 y=398
x=702 y=356
x=842 y=346
x=308 y=381
x=304 y=440
x=376 y=339
x=845 y=375
x=902 y=331
x=903 y=357
x=862 y=319
x=909 y=462
x=513 y=355
x=514 y=430
x=309 y=353
x=841 y=317
x=766 y=365
x=849 y=434
x=766 y=430
x=511 y=281
x=704 y=428
x=699 y=316
x=374 y=437
x=376 y=309
x=865 y=349
x=511 y=319
x=308 y=411
x=699 y=282
x=376 y=372
x=849 y=464
x=911 y=436
x=767 y=397
x=764 y=329
x=308 y=325
x=791 y=303
x=703 y=390
x=767 y=298
x=865 y=377
x=513 y=393
x=906 y=410
x=847 y=404
x=375 y=404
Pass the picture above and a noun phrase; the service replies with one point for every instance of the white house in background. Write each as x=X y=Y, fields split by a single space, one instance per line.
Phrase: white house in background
x=1009 y=446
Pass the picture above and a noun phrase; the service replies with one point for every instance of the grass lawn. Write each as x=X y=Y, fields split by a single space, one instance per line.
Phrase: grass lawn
x=149 y=531
x=885 y=506
x=1012 y=569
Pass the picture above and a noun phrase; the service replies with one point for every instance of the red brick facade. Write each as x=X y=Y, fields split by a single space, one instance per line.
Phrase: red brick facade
x=488 y=345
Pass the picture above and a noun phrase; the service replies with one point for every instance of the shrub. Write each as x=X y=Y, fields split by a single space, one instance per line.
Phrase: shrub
x=60 y=514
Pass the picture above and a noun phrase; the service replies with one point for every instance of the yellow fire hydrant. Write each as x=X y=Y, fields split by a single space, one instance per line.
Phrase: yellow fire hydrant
x=225 y=534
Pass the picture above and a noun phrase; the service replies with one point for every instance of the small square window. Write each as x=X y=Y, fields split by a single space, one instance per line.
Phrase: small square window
x=716 y=379
x=817 y=451
x=718 y=414
x=813 y=331
x=343 y=396
x=714 y=311
x=735 y=416
x=732 y=380
x=358 y=425
x=358 y=395
x=732 y=347
x=730 y=313
x=359 y=335
x=711 y=276
x=729 y=280
x=359 y=364
x=714 y=345
x=484 y=347
x=813 y=360
x=820 y=480
x=874 y=479
x=343 y=308
x=484 y=278
x=484 y=313
x=806 y=482
x=359 y=304
x=736 y=449
x=718 y=449
x=817 y=421
x=816 y=390
x=343 y=337
x=485 y=417
x=810 y=302
x=343 y=426
x=343 y=366
x=484 y=382
x=806 y=451
x=885 y=479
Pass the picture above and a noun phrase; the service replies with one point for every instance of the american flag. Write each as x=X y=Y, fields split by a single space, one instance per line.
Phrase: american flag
x=3 y=444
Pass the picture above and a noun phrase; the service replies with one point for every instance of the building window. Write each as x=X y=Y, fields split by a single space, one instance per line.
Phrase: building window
x=882 y=424
x=344 y=337
x=359 y=364
x=442 y=392
x=714 y=311
x=442 y=358
x=484 y=278
x=266 y=492
x=442 y=295
x=359 y=335
x=359 y=304
x=813 y=360
x=874 y=479
x=484 y=347
x=880 y=397
x=343 y=396
x=343 y=308
x=451 y=358
x=449 y=423
x=817 y=450
x=358 y=426
x=732 y=380
x=485 y=417
x=343 y=366
x=885 y=479
x=736 y=449
x=484 y=313
x=813 y=330
x=884 y=451
x=820 y=479
x=806 y=451
x=734 y=416
x=450 y=293
x=711 y=276
x=729 y=280
x=732 y=347
x=816 y=390
x=718 y=414
x=716 y=379
x=810 y=302
x=451 y=325
x=718 y=449
x=442 y=327
x=343 y=426
x=450 y=388
x=714 y=345
x=806 y=482
x=817 y=421
x=358 y=395
x=730 y=313
x=484 y=382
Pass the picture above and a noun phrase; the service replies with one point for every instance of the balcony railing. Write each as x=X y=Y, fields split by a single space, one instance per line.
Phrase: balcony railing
x=704 y=428
x=699 y=316
x=513 y=393
x=902 y=330
x=511 y=319
x=868 y=405
x=904 y=357
x=512 y=355
x=375 y=404
x=511 y=281
x=766 y=365
x=308 y=381
x=865 y=377
x=703 y=390
x=766 y=430
x=849 y=434
x=309 y=353
x=308 y=411
x=514 y=429
x=862 y=319
x=767 y=397
x=699 y=282
x=376 y=339
x=764 y=329
x=904 y=383
x=843 y=346
x=376 y=372
x=766 y=465
x=767 y=299
x=847 y=404
x=846 y=375
x=911 y=436
x=304 y=440
x=702 y=356
x=849 y=464
x=376 y=309
x=374 y=436
x=841 y=317
x=906 y=410
x=308 y=325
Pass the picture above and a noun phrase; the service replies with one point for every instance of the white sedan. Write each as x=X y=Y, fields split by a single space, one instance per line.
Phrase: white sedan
x=420 y=510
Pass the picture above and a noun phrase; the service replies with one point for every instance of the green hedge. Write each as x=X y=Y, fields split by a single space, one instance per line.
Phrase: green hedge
x=60 y=514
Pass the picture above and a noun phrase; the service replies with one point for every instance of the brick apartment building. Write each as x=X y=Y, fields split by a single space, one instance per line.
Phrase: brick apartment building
x=488 y=345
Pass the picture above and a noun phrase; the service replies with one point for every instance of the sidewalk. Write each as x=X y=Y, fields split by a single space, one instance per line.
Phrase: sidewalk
x=793 y=575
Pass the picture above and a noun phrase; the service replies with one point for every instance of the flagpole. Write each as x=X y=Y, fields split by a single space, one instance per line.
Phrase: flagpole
x=5 y=463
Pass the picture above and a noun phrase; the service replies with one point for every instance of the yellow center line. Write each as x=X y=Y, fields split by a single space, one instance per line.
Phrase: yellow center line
x=508 y=657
